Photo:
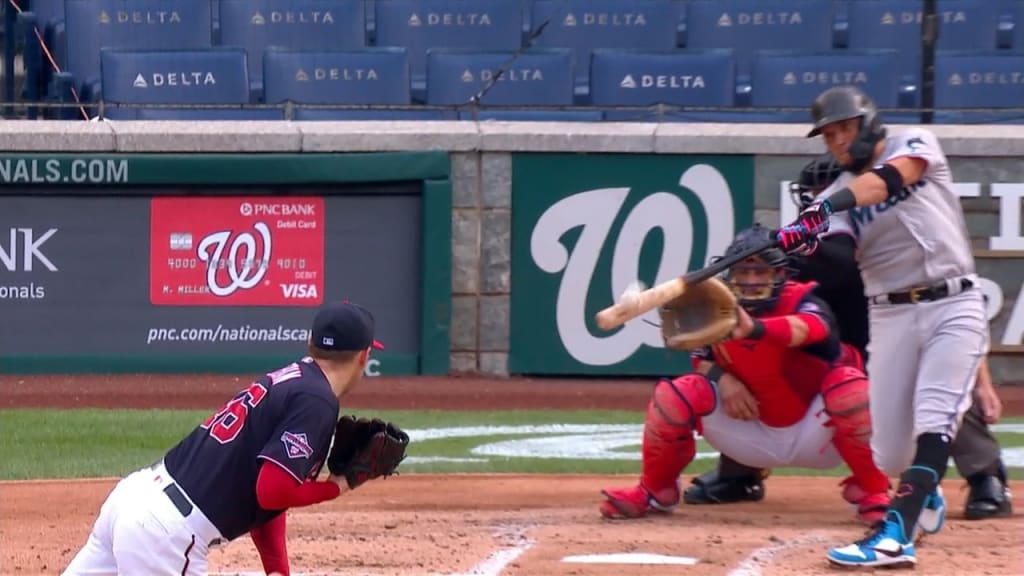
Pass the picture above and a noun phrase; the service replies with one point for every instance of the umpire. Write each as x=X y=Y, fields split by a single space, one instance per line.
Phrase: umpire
x=833 y=265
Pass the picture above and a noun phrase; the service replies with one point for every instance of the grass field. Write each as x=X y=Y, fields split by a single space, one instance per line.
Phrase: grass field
x=102 y=443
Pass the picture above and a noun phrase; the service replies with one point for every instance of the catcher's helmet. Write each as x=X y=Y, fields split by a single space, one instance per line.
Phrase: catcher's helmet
x=815 y=177
x=757 y=297
x=843 y=103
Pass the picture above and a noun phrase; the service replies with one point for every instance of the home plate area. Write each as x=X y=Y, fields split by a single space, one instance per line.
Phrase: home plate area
x=526 y=525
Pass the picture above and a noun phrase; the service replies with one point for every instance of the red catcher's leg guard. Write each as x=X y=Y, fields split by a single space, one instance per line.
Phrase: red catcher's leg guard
x=845 y=392
x=673 y=414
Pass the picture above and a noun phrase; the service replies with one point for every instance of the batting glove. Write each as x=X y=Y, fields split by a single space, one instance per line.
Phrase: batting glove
x=801 y=236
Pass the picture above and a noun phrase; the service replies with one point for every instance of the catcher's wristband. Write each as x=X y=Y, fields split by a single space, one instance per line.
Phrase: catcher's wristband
x=714 y=373
x=757 y=332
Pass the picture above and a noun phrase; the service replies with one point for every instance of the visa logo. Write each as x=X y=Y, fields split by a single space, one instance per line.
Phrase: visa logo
x=299 y=290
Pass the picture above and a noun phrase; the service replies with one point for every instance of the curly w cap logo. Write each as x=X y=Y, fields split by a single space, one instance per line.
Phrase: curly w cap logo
x=586 y=227
x=296 y=445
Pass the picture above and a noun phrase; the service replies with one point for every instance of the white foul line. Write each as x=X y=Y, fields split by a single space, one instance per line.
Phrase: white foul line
x=513 y=536
x=762 y=557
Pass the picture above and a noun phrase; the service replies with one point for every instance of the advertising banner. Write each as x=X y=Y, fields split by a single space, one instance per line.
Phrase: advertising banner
x=232 y=251
x=185 y=279
x=585 y=226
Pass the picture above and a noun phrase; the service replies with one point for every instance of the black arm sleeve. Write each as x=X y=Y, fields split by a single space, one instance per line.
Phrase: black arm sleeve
x=827 y=349
x=833 y=265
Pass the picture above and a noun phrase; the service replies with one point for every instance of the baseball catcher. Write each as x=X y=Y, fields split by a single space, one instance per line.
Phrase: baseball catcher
x=772 y=386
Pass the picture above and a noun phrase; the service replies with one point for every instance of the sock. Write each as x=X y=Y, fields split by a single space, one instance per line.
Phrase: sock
x=921 y=479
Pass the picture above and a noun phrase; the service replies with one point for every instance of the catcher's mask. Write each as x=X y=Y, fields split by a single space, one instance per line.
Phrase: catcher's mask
x=758 y=280
x=815 y=176
x=843 y=103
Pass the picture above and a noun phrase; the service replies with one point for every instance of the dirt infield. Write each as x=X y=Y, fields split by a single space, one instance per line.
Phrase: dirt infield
x=487 y=525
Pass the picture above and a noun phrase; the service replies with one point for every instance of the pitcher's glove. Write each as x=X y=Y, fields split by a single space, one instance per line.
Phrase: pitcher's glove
x=703 y=315
x=365 y=449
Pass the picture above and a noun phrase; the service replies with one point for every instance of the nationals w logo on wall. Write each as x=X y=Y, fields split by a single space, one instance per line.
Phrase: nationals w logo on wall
x=237 y=251
x=585 y=226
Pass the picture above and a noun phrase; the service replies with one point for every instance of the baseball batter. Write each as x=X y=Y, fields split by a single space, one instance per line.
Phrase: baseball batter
x=241 y=469
x=927 y=316
x=799 y=396
x=833 y=265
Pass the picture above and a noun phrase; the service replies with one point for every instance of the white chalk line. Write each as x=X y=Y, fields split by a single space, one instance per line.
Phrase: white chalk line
x=516 y=543
x=762 y=557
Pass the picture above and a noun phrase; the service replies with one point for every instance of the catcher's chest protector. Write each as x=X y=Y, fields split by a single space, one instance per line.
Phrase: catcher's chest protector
x=766 y=368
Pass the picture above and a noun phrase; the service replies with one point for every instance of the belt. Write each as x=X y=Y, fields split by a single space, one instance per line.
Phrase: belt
x=193 y=516
x=930 y=293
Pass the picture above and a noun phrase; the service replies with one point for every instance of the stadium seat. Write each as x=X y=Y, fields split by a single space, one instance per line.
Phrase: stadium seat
x=539 y=77
x=533 y=115
x=130 y=24
x=896 y=24
x=315 y=114
x=747 y=26
x=212 y=76
x=641 y=78
x=363 y=76
x=255 y=25
x=419 y=25
x=792 y=79
x=585 y=25
x=979 y=80
x=48 y=17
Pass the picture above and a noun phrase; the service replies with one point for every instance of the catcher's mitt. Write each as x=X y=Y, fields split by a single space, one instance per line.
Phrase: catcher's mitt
x=704 y=314
x=365 y=449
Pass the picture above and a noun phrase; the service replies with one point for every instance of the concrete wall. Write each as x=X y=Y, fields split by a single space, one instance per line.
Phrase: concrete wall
x=481 y=173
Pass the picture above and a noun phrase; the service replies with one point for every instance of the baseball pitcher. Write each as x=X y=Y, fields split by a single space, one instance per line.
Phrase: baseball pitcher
x=242 y=468
x=928 y=328
x=799 y=394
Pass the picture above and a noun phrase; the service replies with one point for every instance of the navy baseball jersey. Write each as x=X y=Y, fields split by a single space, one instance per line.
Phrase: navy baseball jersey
x=286 y=417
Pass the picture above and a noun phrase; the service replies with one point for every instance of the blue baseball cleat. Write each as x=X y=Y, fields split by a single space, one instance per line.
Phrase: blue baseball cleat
x=885 y=546
x=933 y=515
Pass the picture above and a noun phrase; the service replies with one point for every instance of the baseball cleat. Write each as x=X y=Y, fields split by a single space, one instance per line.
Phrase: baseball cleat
x=712 y=488
x=989 y=498
x=885 y=546
x=933 y=515
x=632 y=502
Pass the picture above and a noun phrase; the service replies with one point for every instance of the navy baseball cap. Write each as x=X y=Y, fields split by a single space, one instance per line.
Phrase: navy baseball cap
x=344 y=326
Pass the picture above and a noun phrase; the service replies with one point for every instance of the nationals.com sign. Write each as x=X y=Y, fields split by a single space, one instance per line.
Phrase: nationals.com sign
x=237 y=251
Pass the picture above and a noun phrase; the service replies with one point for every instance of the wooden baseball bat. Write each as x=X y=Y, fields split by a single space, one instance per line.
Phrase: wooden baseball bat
x=625 y=310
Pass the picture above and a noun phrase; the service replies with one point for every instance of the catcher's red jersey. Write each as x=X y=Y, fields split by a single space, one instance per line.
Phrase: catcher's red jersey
x=783 y=380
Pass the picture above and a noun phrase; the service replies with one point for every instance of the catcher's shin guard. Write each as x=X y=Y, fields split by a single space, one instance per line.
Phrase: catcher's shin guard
x=673 y=414
x=845 y=392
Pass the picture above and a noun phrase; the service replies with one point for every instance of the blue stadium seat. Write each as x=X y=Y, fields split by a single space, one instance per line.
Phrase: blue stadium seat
x=782 y=79
x=585 y=25
x=747 y=26
x=533 y=115
x=420 y=25
x=979 y=80
x=209 y=114
x=896 y=24
x=320 y=114
x=364 y=76
x=48 y=17
x=212 y=76
x=255 y=25
x=130 y=24
x=641 y=78
x=538 y=76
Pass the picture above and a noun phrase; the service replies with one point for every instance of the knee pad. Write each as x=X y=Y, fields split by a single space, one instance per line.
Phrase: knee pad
x=677 y=405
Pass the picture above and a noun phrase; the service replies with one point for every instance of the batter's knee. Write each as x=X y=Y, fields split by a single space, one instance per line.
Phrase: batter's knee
x=677 y=405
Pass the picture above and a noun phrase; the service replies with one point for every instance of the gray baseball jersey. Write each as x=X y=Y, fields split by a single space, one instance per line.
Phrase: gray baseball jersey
x=916 y=238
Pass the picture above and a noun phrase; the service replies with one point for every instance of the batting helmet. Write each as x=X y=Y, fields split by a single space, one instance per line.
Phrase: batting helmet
x=757 y=297
x=843 y=103
x=815 y=176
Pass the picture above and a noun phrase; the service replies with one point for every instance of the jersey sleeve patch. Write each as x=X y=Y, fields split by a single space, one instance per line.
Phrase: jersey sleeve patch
x=296 y=445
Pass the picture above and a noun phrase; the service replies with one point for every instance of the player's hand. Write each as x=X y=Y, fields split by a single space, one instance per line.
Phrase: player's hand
x=736 y=398
x=744 y=324
x=802 y=235
x=991 y=405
